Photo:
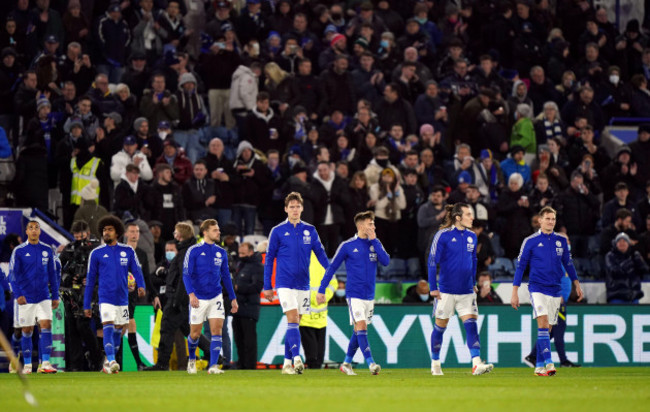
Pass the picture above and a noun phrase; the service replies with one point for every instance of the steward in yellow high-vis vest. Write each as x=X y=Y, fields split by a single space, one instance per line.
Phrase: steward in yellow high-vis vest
x=81 y=177
x=313 y=325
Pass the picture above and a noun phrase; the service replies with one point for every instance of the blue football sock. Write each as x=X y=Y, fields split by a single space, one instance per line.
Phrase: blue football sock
x=473 y=342
x=287 y=348
x=215 y=349
x=117 y=339
x=109 y=347
x=352 y=348
x=545 y=344
x=26 y=342
x=362 y=338
x=436 y=341
x=293 y=336
x=45 y=344
x=192 y=345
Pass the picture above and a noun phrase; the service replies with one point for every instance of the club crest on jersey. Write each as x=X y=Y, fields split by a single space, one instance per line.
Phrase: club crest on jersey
x=218 y=260
x=372 y=248
x=44 y=254
x=558 y=243
x=470 y=244
x=123 y=253
x=45 y=258
x=306 y=237
x=470 y=240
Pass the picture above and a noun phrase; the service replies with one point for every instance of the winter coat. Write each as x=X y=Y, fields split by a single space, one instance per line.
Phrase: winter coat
x=623 y=274
x=249 y=281
x=243 y=89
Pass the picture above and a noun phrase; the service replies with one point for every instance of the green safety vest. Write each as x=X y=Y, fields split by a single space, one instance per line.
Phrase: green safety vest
x=81 y=178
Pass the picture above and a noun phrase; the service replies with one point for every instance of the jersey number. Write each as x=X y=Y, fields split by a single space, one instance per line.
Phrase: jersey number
x=125 y=314
x=305 y=303
x=218 y=305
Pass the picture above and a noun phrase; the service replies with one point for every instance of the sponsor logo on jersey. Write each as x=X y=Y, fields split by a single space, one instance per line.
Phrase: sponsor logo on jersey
x=306 y=237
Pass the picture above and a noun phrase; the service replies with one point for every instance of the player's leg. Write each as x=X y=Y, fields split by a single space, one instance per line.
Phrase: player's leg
x=468 y=312
x=443 y=309
x=27 y=318
x=216 y=316
x=363 y=310
x=44 y=315
x=353 y=345
x=540 y=303
x=289 y=306
x=292 y=341
x=132 y=336
x=197 y=317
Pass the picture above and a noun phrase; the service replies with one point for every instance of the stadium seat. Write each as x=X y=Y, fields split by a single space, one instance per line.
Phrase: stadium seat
x=502 y=269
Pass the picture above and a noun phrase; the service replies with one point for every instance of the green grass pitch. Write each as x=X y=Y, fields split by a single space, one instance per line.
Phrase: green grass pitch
x=584 y=389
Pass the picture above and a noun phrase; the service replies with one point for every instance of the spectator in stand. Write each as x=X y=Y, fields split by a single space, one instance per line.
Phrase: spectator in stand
x=463 y=182
x=130 y=155
x=76 y=67
x=523 y=132
x=199 y=194
x=159 y=104
x=641 y=153
x=490 y=178
x=542 y=195
x=624 y=268
x=170 y=27
x=220 y=169
x=584 y=144
x=543 y=165
x=429 y=108
x=621 y=200
x=644 y=242
x=643 y=207
x=193 y=116
x=387 y=198
x=549 y=125
x=253 y=178
x=330 y=215
x=243 y=91
x=486 y=293
x=174 y=157
x=516 y=164
x=137 y=76
x=131 y=196
x=585 y=106
x=541 y=91
x=393 y=109
x=622 y=223
x=620 y=170
x=430 y=216
x=146 y=32
x=166 y=200
x=640 y=96
x=359 y=200
x=114 y=38
x=377 y=165
x=485 y=254
x=578 y=212
x=514 y=212
x=306 y=88
x=418 y=293
x=337 y=88
x=252 y=23
x=84 y=114
x=262 y=126
x=149 y=144
x=591 y=178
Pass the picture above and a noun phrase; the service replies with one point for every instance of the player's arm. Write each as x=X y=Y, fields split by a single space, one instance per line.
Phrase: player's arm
x=522 y=264
x=188 y=268
x=331 y=289
x=136 y=270
x=339 y=257
x=437 y=249
x=227 y=281
x=271 y=253
x=318 y=249
x=567 y=261
x=91 y=277
x=15 y=268
x=382 y=256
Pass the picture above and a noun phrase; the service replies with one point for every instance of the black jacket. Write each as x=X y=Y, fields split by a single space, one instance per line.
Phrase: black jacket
x=194 y=198
x=175 y=286
x=249 y=281
x=623 y=275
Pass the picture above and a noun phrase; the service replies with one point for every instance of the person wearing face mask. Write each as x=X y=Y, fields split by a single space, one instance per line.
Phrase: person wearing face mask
x=616 y=95
x=418 y=293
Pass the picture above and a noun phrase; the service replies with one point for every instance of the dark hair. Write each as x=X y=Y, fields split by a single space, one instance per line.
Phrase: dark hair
x=111 y=220
x=131 y=168
x=620 y=186
x=360 y=217
x=438 y=188
x=623 y=214
x=131 y=223
x=201 y=162
x=79 y=226
x=453 y=211
x=261 y=96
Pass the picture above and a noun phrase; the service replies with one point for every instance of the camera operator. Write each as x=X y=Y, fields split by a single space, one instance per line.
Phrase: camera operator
x=82 y=349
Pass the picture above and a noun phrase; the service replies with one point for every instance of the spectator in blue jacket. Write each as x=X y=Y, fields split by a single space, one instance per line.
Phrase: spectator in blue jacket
x=516 y=164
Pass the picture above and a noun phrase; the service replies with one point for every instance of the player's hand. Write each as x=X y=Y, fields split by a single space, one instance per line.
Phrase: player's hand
x=268 y=294
x=579 y=292
x=141 y=292
x=372 y=235
x=194 y=301
x=55 y=304
x=514 y=300
x=21 y=300
x=88 y=313
x=435 y=294
x=156 y=303
x=320 y=298
x=234 y=306
x=475 y=289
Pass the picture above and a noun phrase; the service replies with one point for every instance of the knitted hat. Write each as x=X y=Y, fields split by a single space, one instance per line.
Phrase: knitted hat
x=623 y=236
x=186 y=78
x=464 y=177
x=486 y=154
x=137 y=123
x=336 y=38
x=40 y=103
x=426 y=128
x=89 y=192
x=244 y=145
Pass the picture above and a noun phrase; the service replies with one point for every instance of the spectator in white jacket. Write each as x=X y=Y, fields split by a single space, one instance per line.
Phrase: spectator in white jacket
x=130 y=154
x=243 y=91
x=387 y=197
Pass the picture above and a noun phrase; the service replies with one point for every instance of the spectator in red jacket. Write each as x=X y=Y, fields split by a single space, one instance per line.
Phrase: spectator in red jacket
x=174 y=157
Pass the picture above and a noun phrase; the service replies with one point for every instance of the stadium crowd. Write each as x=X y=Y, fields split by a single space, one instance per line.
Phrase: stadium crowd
x=164 y=111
